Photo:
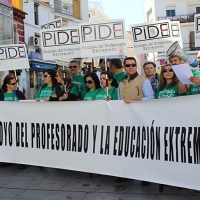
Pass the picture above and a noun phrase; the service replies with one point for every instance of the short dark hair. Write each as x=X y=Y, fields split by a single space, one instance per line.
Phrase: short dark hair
x=149 y=63
x=130 y=58
x=101 y=60
x=175 y=56
x=74 y=61
x=116 y=62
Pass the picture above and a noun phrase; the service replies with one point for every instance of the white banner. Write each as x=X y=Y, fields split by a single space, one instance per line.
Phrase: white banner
x=155 y=36
x=197 y=30
x=61 y=43
x=53 y=24
x=105 y=38
x=13 y=56
x=156 y=140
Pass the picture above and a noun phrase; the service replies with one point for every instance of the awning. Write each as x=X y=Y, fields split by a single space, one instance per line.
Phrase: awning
x=42 y=65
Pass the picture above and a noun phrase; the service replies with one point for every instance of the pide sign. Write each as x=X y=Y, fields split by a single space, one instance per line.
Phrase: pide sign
x=61 y=43
x=197 y=30
x=13 y=55
x=155 y=36
x=103 y=38
x=54 y=24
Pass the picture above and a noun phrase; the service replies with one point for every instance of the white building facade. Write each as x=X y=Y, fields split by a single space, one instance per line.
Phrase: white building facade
x=41 y=12
x=176 y=10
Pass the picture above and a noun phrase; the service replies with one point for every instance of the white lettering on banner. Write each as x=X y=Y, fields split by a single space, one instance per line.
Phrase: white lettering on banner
x=197 y=30
x=155 y=36
x=119 y=146
x=12 y=52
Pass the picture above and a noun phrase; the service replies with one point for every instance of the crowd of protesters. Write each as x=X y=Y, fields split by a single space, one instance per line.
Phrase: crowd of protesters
x=120 y=81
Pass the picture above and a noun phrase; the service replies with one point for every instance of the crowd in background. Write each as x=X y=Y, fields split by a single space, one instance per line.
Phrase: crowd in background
x=115 y=80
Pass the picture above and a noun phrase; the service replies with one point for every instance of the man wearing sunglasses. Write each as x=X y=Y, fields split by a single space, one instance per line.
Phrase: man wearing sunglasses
x=116 y=69
x=134 y=87
x=77 y=78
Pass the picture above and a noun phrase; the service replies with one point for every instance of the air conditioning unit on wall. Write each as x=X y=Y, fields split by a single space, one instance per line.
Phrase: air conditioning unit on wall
x=34 y=41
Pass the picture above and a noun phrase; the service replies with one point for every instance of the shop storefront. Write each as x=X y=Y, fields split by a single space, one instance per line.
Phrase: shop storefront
x=37 y=66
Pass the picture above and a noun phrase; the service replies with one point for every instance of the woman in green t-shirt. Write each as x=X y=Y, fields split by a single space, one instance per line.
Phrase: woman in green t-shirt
x=112 y=87
x=168 y=85
x=93 y=85
x=45 y=91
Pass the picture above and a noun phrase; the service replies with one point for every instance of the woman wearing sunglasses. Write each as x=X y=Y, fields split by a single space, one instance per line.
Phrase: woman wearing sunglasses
x=112 y=87
x=69 y=91
x=9 y=90
x=92 y=82
x=168 y=85
x=45 y=91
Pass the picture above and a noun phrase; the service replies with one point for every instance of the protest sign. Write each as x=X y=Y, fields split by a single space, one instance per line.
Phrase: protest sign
x=197 y=30
x=61 y=43
x=13 y=57
x=155 y=36
x=106 y=38
x=157 y=145
x=54 y=24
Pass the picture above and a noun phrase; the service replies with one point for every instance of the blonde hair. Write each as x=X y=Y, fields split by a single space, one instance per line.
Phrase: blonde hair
x=65 y=74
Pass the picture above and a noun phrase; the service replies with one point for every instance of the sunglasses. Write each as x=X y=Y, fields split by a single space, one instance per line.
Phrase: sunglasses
x=73 y=67
x=88 y=82
x=13 y=84
x=167 y=70
x=45 y=76
x=130 y=65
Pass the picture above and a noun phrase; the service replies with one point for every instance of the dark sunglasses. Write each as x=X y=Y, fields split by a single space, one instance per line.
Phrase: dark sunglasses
x=167 y=70
x=88 y=82
x=13 y=84
x=130 y=65
x=73 y=66
x=46 y=76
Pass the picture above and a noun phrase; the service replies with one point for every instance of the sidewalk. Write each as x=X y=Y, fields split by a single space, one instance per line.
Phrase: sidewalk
x=34 y=183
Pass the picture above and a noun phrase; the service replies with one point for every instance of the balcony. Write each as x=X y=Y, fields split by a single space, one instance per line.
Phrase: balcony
x=190 y=47
x=181 y=18
x=63 y=8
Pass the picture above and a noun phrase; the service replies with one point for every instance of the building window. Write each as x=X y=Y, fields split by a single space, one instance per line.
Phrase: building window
x=170 y=13
x=36 y=16
x=197 y=9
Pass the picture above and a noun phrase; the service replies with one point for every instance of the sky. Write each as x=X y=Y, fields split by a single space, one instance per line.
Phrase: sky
x=131 y=10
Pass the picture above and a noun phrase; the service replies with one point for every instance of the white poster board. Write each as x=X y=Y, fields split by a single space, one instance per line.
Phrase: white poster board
x=155 y=36
x=148 y=142
x=13 y=57
x=57 y=23
x=197 y=30
x=105 y=38
x=61 y=43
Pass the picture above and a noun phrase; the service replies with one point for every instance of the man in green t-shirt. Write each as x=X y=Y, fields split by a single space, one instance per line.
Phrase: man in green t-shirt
x=116 y=69
x=77 y=78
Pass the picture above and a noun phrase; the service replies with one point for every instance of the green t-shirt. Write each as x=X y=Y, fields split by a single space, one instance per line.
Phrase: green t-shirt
x=91 y=95
x=9 y=97
x=112 y=94
x=167 y=92
x=194 y=89
x=79 y=80
x=119 y=77
x=44 y=92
